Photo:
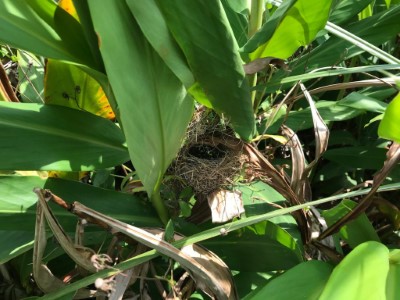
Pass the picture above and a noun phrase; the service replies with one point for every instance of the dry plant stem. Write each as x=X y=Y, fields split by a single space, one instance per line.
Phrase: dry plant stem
x=393 y=157
x=80 y=255
x=350 y=85
x=202 y=276
x=6 y=86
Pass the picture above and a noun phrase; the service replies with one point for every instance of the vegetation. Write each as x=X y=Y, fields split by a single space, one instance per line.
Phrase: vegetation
x=135 y=131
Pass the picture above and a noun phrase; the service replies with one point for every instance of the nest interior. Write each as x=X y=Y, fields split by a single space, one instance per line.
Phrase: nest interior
x=211 y=157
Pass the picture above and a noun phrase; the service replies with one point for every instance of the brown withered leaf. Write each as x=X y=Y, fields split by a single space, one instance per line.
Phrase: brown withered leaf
x=321 y=131
x=261 y=63
x=209 y=282
x=225 y=205
x=298 y=182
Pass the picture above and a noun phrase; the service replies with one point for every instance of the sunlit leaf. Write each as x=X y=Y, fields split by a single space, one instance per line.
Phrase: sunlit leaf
x=389 y=128
x=67 y=85
x=298 y=28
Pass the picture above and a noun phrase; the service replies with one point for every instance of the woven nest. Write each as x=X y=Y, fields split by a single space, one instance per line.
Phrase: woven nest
x=211 y=157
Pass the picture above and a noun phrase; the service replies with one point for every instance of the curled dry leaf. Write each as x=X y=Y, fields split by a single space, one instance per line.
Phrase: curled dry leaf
x=211 y=262
x=298 y=181
x=225 y=205
x=205 y=278
x=44 y=278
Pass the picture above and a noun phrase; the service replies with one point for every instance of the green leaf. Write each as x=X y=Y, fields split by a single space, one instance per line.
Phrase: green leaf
x=306 y=281
x=67 y=85
x=346 y=9
x=363 y=102
x=154 y=27
x=298 y=28
x=41 y=137
x=41 y=27
x=30 y=75
x=329 y=111
x=213 y=56
x=355 y=232
x=279 y=237
x=155 y=109
x=376 y=30
x=18 y=209
x=267 y=30
x=389 y=127
x=272 y=248
x=358 y=157
x=351 y=279
x=237 y=14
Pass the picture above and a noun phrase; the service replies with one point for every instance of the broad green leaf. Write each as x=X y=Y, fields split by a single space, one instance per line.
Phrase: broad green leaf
x=298 y=28
x=306 y=281
x=389 y=128
x=237 y=14
x=154 y=27
x=329 y=111
x=267 y=30
x=366 y=157
x=16 y=198
x=393 y=277
x=279 y=237
x=41 y=137
x=363 y=102
x=213 y=56
x=272 y=248
x=352 y=278
x=30 y=75
x=246 y=282
x=18 y=209
x=67 y=85
x=43 y=28
x=355 y=232
x=154 y=106
x=259 y=198
x=346 y=9
x=376 y=30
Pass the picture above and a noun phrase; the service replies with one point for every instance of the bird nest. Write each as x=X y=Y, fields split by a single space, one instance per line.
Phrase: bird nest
x=211 y=157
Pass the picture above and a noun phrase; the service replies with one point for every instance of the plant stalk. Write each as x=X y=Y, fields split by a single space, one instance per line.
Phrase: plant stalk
x=255 y=22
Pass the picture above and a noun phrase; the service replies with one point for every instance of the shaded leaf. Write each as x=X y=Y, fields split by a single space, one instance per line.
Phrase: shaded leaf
x=212 y=54
x=357 y=157
x=154 y=27
x=355 y=232
x=346 y=9
x=61 y=139
x=154 y=107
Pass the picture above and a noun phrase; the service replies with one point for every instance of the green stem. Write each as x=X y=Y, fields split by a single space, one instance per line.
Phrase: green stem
x=255 y=22
x=159 y=205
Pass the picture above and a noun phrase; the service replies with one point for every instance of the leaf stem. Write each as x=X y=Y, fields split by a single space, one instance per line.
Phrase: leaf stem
x=159 y=205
